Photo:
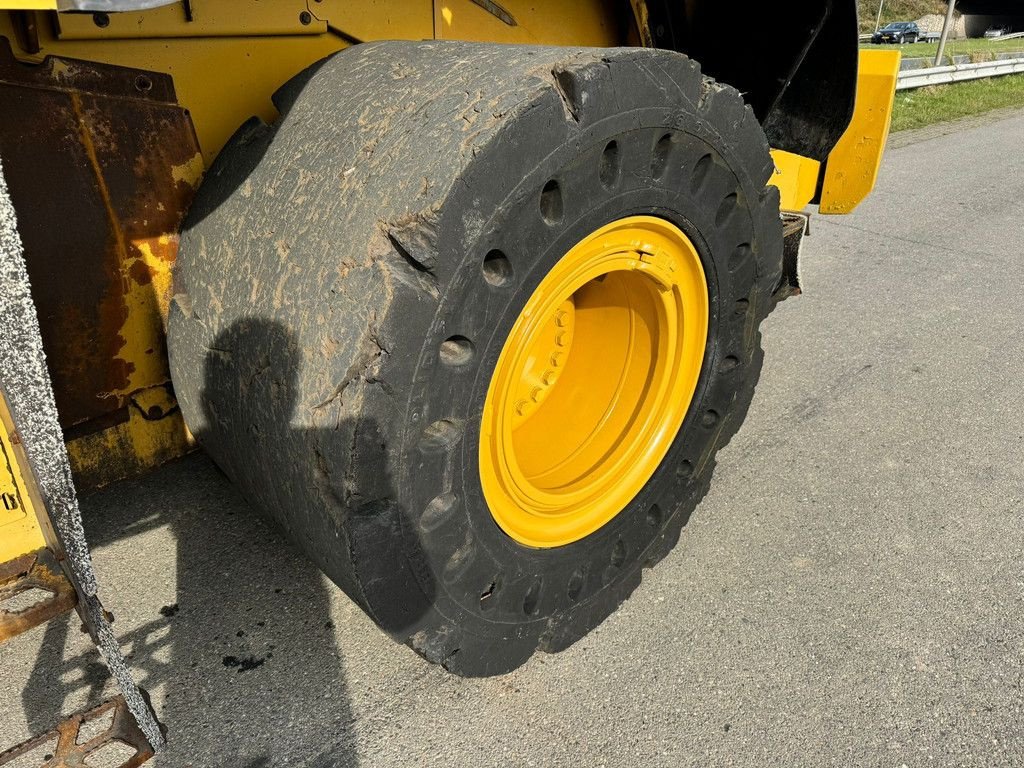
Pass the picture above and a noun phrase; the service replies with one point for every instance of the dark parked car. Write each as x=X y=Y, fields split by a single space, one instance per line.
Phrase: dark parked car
x=897 y=32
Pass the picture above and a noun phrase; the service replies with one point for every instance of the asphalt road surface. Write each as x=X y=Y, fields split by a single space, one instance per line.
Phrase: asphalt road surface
x=851 y=592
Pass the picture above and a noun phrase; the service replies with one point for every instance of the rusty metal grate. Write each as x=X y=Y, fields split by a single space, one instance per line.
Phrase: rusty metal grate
x=122 y=733
x=37 y=572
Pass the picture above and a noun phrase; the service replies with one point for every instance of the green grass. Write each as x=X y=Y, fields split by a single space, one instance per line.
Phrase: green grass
x=939 y=103
x=977 y=48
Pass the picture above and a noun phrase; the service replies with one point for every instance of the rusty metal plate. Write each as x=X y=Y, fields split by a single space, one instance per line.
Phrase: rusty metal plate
x=795 y=226
x=101 y=163
x=35 y=573
x=67 y=752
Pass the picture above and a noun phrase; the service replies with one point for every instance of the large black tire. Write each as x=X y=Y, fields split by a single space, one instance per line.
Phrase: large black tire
x=396 y=205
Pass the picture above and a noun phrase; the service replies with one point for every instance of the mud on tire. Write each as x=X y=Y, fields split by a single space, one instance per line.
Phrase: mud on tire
x=347 y=278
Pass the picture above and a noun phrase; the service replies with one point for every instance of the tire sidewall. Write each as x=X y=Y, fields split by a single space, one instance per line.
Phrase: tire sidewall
x=470 y=307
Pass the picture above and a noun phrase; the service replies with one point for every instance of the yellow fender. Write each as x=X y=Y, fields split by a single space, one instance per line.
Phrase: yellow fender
x=852 y=166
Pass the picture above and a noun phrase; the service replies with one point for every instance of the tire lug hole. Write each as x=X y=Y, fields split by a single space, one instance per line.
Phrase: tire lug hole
x=575 y=586
x=531 y=602
x=456 y=351
x=610 y=165
x=700 y=173
x=660 y=156
x=726 y=209
x=739 y=256
x=618 y=554
x=441 y=435
x=551 y=203
x=459 y=562
x=497 y=269
x=438 y=511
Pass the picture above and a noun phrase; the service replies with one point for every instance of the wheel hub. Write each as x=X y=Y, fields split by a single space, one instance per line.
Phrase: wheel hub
x=593 y=382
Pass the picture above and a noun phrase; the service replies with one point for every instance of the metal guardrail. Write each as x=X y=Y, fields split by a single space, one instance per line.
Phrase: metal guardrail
x=916 y=78
x=1011 y=36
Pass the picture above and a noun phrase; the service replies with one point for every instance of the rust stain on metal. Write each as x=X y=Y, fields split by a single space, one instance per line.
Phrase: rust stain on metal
x=795 y=226
x=101 y=173
x=68 y=753
x=140 y=273
x=35 y=571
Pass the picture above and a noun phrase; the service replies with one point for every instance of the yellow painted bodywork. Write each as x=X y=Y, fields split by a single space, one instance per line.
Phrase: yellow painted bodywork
x=796 y=177
x=593 y=382
x=222 y=81
x=28 y=5
x=227 y=61
x=540 y=23
x=378 y=19
x=227 y=18
x=147 y=304
x=853 y=164
x=20 y=529
x=138 y=444
x=226 y=64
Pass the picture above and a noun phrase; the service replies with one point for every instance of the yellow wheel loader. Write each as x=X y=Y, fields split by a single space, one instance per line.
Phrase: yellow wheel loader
x=465 y=295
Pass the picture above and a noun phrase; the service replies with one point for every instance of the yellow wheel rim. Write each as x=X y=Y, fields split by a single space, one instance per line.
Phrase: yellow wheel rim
x=593 y=382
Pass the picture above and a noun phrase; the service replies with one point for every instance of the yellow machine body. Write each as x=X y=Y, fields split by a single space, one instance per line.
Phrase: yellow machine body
x=796 y=177
x=230 y=57
x=226 y=63
x=218 y=63
x=20 y=529
x=852 y=167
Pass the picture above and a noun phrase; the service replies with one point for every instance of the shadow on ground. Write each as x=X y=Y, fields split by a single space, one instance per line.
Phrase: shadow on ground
x=247 y=641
